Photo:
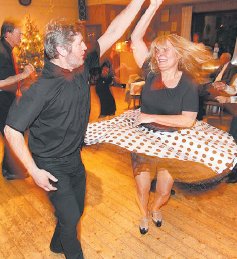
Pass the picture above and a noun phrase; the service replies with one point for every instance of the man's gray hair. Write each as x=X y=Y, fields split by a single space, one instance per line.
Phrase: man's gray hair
x=59 y=33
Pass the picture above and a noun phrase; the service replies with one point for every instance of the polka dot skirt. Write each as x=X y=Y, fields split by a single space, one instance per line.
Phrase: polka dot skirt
x=202 y=143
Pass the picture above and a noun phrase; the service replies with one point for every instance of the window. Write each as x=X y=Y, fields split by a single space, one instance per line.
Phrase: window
x=216 y=27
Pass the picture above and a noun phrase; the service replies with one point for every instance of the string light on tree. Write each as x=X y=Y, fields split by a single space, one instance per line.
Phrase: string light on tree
x=31 y=49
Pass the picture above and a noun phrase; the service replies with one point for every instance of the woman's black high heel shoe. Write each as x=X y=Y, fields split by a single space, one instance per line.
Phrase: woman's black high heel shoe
x=157 y=218
x=143 y=227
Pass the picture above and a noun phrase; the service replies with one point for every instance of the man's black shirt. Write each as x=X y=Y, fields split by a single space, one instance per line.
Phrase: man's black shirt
x=6 y=61
x=55 y=109
x=6 y=69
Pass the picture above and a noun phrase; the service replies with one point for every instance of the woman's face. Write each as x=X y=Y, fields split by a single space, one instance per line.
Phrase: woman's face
x=166 y=57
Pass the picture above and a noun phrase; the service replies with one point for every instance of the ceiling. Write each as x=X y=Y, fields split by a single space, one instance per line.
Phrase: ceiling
x=125 y=2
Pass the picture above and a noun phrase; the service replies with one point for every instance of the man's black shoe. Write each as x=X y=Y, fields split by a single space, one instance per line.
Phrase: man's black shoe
x=11 y=176
x=58 y=250
x=55 y=244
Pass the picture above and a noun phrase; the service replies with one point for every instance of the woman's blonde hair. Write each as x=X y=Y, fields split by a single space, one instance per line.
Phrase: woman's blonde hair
x=192 y=55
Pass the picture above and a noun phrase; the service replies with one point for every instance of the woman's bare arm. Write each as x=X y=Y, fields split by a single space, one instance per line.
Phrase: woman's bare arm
x=140 y=50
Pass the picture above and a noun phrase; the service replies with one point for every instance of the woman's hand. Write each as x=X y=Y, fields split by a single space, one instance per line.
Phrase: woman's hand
x=144 y=118
x=156 y=3
x=184 y=120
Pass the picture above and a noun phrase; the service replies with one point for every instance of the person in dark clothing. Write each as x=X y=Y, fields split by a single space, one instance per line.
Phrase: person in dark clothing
x=169 y=98
x=107 y=102
x=224 y=74
x=232 y=91
x=10 y=37
x=56 y=111
x=226 y=71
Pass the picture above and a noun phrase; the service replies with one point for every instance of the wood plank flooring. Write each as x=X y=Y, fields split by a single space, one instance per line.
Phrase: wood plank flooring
x=195 y=225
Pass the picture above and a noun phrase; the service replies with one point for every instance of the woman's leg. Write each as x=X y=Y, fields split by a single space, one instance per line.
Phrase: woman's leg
x=143 y=189
x=163 y=187
x=141 y=165
x=143 y=184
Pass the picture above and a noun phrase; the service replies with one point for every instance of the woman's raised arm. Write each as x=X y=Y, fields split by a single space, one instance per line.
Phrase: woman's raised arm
x=140 y=50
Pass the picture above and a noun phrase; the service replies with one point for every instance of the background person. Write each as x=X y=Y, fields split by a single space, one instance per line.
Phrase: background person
x=224 y=74
x=10 y=38
x=56 y=111
x=169 y=98
x=231 y=90
x=102 y=87
x=216 y=50
x=226 y=70
x=13 y=80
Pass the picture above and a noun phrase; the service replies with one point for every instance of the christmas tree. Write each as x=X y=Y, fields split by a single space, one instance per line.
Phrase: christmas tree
x=31 y=49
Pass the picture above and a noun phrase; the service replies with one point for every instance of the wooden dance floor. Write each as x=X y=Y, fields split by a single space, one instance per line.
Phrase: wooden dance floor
x=195 y=225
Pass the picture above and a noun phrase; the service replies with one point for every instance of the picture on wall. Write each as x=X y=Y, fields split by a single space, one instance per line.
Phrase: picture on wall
x=93 y=32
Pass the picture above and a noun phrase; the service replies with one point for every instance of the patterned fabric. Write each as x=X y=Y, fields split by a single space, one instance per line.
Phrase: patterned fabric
x=202 y=143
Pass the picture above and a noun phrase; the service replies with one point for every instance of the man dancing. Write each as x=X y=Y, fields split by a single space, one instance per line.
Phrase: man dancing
x=56 y=110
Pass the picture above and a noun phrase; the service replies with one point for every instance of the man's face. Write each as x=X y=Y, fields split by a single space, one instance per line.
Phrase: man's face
x=75 y=58
x=14 y=38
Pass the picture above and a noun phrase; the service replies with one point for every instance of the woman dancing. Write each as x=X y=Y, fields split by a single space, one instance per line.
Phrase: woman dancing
x=169 y=98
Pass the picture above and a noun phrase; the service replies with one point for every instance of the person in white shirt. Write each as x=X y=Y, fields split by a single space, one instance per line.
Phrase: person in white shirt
x=229 y=89
x=216 y=50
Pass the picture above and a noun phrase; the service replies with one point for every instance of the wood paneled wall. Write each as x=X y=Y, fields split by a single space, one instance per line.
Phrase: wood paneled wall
x=41 y=11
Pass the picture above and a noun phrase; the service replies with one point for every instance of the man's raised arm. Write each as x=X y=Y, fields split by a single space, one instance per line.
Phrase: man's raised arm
x=119 y=25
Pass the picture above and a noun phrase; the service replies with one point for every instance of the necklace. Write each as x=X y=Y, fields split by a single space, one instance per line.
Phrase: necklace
x=173 y=82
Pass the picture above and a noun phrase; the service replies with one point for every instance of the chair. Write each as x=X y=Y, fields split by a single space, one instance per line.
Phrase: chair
x=214 y=108
x=135 y=92
x=132 y=93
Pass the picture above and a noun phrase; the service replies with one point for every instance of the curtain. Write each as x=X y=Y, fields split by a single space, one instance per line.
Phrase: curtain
x=234 y=59
x=186 y=22
x=82 y=10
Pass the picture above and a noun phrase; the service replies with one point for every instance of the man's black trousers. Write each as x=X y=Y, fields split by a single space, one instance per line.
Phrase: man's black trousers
x=68 y=201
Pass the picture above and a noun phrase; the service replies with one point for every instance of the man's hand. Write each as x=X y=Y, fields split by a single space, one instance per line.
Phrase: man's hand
x=42 y=177
x=28 y=69
x=220 y=86
x=223 y=99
